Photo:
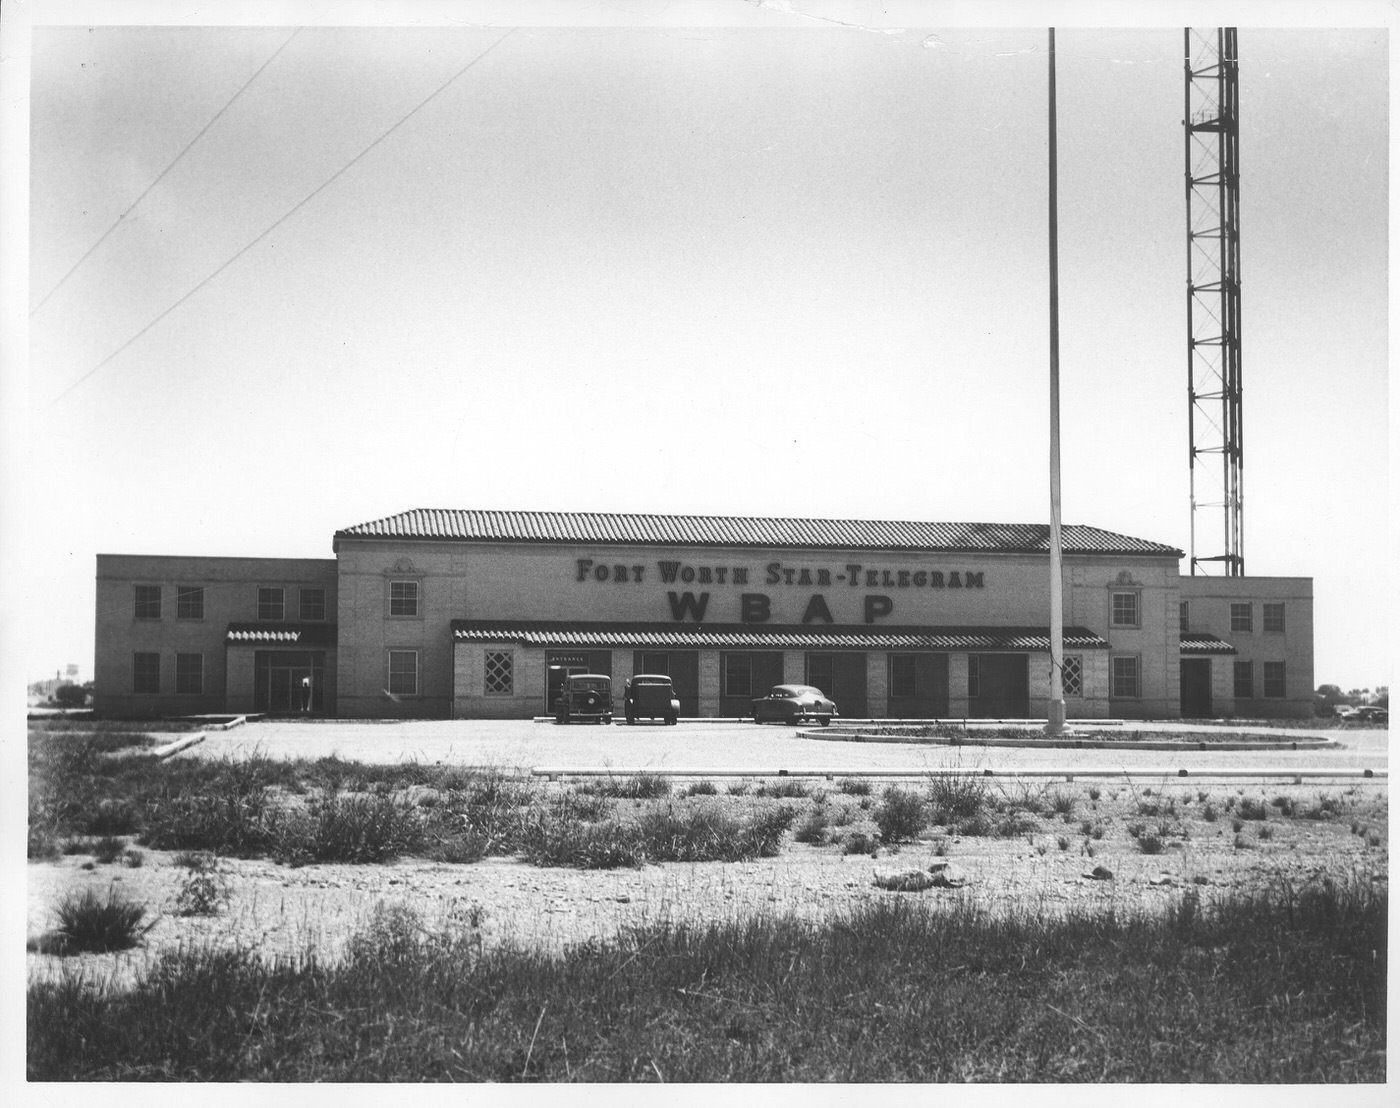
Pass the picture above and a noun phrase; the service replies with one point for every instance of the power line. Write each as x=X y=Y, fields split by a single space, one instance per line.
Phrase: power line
x=272 y=227
x=131 y=207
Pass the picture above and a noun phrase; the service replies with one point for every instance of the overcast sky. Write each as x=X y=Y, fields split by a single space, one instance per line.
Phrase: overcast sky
x=784 y=267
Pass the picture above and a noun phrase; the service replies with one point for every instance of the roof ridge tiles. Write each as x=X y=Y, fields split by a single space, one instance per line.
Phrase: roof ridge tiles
x=497 y=525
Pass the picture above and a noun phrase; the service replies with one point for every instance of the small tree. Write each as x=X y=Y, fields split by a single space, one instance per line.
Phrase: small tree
x=70 y=696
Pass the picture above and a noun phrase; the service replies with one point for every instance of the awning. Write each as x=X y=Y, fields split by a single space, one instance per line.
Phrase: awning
x=1201 y=643
x=282 y=634
x=767 y=637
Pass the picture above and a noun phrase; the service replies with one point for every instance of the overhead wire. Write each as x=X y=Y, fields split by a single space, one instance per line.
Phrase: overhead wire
x=162 y=175
x=282 y=219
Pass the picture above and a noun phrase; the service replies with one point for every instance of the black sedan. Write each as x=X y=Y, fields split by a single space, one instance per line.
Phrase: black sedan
x=793 y=704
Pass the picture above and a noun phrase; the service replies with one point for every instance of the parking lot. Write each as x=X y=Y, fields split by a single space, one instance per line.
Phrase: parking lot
x=714 y=746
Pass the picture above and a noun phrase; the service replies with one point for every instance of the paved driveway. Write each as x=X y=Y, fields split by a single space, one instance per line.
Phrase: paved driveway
x=519 y=744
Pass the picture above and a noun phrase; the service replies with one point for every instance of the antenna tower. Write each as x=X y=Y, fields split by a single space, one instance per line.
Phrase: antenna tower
x=1213 y=301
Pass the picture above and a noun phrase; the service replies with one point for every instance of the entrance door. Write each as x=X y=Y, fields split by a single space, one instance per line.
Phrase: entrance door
x=998 y=686
x=289 y=682
x=1195 y=688
x=560 y=663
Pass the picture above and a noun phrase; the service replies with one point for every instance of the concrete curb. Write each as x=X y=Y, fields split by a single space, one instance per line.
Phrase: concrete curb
x=184 y=742
x=833 y=735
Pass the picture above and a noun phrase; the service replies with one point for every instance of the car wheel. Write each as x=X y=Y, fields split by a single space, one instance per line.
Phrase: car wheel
x=671 y=720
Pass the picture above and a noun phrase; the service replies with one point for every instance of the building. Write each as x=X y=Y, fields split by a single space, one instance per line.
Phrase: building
x=480 y=614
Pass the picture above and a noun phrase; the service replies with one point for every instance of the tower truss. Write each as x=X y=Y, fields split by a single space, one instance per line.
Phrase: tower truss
x=1213 y=301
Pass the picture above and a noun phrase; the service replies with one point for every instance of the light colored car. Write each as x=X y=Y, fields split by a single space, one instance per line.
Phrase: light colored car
x=793 y=704
x=1370 y=713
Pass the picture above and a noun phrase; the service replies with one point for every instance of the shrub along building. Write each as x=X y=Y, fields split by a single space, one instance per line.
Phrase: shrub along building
x=480 y=614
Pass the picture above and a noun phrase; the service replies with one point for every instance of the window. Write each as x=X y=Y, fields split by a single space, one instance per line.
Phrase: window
x=189 y=673
x=974 y=676
x=148 y=602
x=821 y=672
x=145 y=673
x=1125 y=609
x=1072 y=675
x=1185 y=616
x=902 y=675
x=1275 y=684
x=403 y=672
x=403 y=598
x=1127 y=680
x=311 y=605
x=1273 y=617
x=271 y=604
x=500 y=673
x=189 y=602
x=1244 y=680
x=1241 y=617
x=738 y=675
x=656 y=663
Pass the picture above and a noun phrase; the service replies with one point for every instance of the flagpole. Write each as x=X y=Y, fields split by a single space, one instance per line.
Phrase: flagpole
x=1055 y=722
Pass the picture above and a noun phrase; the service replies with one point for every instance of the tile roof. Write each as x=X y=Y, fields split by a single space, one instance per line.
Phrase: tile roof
x=1201 y=643
x=738 y=531
x=298 y=634
x=747 y=636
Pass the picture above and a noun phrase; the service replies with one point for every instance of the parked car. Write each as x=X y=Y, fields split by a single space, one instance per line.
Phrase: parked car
x=793 y=704
x=1344 y=711
x=650 y=696
x=586 y=696
x=1370 y=713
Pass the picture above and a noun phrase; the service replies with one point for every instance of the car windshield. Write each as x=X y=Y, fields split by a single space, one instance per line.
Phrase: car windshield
x=651 y=680
x=787 y=690
x=593 y=685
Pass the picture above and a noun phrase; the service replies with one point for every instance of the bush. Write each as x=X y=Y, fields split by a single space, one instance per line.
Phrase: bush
x=813 y=828
x=232 y=824
x=1253 y=809
x=858 y=842
x=854 y=786
x=1150 y=844
x=900 y=816
x=204 y=889
x=355 y=829
x=644 y=786
x=70 y=696
x=88 y=923
x=785 y=789
x=956 y=796
x=701 y=788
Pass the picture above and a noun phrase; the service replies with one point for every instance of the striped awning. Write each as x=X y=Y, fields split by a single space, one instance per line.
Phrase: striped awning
x=1201 y=643
x=750 y=637
x=282 y=634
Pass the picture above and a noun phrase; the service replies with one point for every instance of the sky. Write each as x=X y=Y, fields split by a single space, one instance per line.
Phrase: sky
x=741 y=259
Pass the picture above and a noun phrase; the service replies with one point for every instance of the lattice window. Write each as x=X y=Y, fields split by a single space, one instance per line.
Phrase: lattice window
x=1275 y=679
x=1273 y=617
x=500 y=673
x=1241 y=617
x=311 y=605
x=1072 y=675
x=1244 y=680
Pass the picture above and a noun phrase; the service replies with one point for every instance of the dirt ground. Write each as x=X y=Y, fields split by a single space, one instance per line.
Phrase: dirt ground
x=289 y=912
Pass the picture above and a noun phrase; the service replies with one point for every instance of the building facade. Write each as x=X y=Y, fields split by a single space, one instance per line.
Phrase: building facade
x=471 y=614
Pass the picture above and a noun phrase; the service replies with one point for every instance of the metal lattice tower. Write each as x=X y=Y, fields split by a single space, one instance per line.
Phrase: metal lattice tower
x=1213 y=301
